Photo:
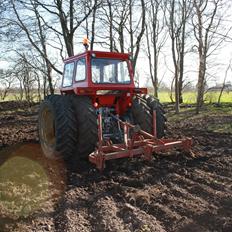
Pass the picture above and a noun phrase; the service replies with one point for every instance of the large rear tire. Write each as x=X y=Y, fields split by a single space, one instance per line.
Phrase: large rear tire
x=57 y=127
x=142 y=111
x=86 y=119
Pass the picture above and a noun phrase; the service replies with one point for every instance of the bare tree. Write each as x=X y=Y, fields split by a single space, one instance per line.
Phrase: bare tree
x=42 y=38
x=91 y=22
x=96 y=4
x=70 y=15
x=205 y=26
x=178 y=14
x=27 y=78
x=110 y=17
x=7 y=79
x=107 y=16
x=174 y=31
x=3 y=8
x=156 y=36
x=38 y=66
x=117 y=16
x=229 y=67
x=40 y=47
x=185 y=9
x=137 y=33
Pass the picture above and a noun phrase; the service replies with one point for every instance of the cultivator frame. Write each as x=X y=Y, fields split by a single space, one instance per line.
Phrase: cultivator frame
x=137 y=143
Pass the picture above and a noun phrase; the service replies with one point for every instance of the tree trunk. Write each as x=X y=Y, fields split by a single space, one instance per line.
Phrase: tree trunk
x=174 y=59
x=49 y=73
x=110 y=25
x=171 y=90
x=138 y=41
x=93 y=25
x=153 y=80
x=201 y=83
x=224 y=83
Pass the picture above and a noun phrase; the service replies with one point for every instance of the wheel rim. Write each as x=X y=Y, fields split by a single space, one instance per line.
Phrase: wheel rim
x=48 y=128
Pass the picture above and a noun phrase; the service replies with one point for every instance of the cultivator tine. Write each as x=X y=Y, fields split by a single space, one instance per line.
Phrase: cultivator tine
x=100 y=136
x=147 y=153
x=187 y=144
x=141 y=144
x=125 y=128
x=154 y=124
x=100 y=156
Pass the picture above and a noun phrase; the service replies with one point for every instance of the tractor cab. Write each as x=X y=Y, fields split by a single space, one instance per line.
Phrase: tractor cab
x=96 y=70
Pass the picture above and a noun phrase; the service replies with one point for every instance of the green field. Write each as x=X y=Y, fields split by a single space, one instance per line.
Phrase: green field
x=190 y=97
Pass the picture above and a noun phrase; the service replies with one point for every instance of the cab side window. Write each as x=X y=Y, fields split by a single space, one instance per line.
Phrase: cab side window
x=68 y=74
x=81 y=70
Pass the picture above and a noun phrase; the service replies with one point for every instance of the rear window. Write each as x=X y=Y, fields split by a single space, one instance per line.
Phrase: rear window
x=113 y=71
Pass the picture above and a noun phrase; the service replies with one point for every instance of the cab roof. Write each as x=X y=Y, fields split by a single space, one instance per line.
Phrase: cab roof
x=100 y=54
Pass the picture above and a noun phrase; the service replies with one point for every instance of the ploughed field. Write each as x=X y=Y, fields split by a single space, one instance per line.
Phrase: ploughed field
x=173 y=193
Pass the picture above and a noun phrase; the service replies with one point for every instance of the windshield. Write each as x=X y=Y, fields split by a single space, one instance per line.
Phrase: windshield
x=110 y=71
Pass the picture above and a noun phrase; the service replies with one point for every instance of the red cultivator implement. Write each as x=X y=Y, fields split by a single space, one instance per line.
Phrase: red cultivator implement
x=136 y=143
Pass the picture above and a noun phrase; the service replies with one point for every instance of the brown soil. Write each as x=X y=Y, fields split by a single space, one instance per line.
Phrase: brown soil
x=18 y=123
x=174 y=193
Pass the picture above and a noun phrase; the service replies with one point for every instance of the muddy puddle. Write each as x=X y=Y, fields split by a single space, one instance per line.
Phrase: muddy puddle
x=28 y=181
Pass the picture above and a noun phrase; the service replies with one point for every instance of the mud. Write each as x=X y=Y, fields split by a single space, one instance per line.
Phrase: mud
x=18 y=123
x=174 y=193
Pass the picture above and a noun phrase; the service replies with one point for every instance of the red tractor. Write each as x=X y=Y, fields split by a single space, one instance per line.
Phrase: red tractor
x=100 y=113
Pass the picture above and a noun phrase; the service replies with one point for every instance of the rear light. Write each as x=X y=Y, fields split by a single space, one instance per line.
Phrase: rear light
x=81 y=91
x=129 y=104
x=85 y=91
x=95 y=104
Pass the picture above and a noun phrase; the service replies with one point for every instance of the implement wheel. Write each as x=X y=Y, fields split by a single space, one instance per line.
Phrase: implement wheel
x=57 y=127
x=142 y=111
